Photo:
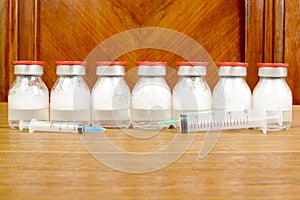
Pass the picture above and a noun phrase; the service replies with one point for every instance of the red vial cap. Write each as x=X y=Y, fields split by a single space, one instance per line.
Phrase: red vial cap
x=70 y=63
x=150 y=63
x=111 y=63
x=232 y=64
x=28 y=62
x=286 y=65
x=192 y=64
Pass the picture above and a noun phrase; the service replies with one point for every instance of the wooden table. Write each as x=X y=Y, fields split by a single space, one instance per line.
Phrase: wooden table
x=243 y=164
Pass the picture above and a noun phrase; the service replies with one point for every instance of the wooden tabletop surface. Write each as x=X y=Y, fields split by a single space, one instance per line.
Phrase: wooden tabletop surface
x=244 y=164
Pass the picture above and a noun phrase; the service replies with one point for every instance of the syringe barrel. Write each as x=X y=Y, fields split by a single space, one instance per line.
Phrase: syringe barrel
x=47 y=126
x=224 y=120
x=194 y=121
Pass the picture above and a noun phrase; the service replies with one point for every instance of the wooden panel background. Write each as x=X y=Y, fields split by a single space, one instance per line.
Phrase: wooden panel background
x=230 y=30
x=3 y=39
x=88 y=24
x=292 y=45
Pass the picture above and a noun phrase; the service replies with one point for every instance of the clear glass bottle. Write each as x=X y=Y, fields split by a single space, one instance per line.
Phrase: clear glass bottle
x=70 y=95
x=111 y=96
x=28 y=97
x=232 y=91
x=151 y=96
x=272 y=93
x=191 y=93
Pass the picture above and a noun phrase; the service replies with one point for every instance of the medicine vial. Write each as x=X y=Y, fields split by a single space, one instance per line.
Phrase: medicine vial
x=191 y=93
x=70 y=95
x=272 y=93
x=28 y=97
x=231 y=91
x=111 y=96
x=151 y=96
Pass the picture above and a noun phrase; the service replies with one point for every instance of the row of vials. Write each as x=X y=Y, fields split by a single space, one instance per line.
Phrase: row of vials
x=111 y=104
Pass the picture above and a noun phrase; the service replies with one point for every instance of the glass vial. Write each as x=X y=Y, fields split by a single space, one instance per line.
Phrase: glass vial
x=28 y=97
x=232 y=91
x=111 y=96
x=151 y=96
x=70 y=95
x=191 y=93
x=272 y=93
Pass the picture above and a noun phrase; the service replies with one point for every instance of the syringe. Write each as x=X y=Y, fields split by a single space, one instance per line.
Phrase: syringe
x=48 y=126
x=224 y=120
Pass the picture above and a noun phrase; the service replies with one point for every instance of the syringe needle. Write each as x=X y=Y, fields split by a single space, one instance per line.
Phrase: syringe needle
x=168 y=123
x=94 y=129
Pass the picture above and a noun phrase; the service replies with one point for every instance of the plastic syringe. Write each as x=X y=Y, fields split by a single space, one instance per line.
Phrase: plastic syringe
x=48 y=126
x=224 y=120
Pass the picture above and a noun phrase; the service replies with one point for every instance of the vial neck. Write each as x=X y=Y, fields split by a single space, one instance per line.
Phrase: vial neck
x=70 y=76
x=110 y=77
x=29 y=77
x=272 y=78
x=152 y=79
x=232 y=77
x=26 y=76
x=74 y=78
x=110 y=80
x=193 y=78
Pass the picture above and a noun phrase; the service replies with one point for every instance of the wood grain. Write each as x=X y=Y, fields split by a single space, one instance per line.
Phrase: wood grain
x=13 y=40
x=292 y=46
x=274 y=31
x=244 y=164
x=85 y=25
x=254 y=38
x=27 y=29
x=248 y=30
x=278 y=30
x=272 y=35
x=69 y=30
x=3 y=42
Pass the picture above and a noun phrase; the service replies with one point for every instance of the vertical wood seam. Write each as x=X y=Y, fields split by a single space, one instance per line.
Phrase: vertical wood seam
x=13 y=40
x=254 y=37
x=268 y=37
x=35 y=27
x=266 y=18
x=273 y=31
x=27 y=16
x=278 y=31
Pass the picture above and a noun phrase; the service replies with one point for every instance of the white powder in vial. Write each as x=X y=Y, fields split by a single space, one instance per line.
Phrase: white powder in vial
x=231 y=93
x=151 y=97
x=111 y=94
x=28 y=97
x=24 y=97
x=191 y=93
x=272 y=93
x=111 y=103
x=70 y=94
